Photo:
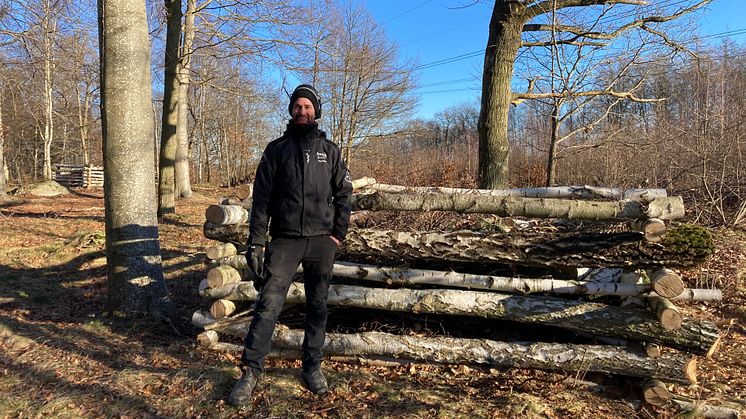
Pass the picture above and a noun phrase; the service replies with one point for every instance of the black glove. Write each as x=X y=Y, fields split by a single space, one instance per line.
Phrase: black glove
x=255 y=258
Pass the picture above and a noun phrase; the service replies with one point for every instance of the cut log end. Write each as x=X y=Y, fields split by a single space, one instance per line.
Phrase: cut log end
x=653 y=350
x=666 y=283
x=690 y=370
x=222 y=275
x=654 y=229
x=221 y=250
x=655 y=393
x=222 y=308
x=207 y=338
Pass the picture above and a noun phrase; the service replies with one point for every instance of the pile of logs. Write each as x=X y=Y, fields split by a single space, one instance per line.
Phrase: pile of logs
x=620 y=299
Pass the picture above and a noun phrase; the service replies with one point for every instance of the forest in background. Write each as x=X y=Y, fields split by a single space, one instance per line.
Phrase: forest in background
x=245 y=56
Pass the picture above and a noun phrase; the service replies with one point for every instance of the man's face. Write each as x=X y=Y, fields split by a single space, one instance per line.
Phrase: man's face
x=303 y=112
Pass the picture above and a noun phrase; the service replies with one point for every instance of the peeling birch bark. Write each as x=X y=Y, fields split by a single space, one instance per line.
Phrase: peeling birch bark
x=510 y=206
x=592 y=319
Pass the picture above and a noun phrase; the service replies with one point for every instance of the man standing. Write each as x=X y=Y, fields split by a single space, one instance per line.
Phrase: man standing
x=301 y=195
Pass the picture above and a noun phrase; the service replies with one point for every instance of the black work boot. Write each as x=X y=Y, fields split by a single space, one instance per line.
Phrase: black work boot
x=241 y=393
x=315 y=381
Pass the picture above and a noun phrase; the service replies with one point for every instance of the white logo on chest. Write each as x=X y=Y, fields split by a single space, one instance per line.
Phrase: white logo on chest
x=320 y=157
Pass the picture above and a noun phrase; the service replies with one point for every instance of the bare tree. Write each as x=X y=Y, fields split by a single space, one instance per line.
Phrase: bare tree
x=510 y=19
x=365 y=88
x=3 y=180
x=135 y=274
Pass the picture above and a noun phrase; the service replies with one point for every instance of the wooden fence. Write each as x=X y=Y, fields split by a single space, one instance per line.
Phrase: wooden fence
x=78 y=176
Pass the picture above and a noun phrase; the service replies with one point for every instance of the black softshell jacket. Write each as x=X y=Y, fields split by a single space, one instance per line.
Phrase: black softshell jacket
x=302 y=188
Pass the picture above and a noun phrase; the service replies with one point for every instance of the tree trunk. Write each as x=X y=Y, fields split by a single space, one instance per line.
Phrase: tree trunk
x=50 y=29
x=591 y=319
x=170 y=115
x=135 y=275
x=563 y=192
x=183 y=183
x=3 y=179
x=503 y=43
x=511 y=206
x=535 y=248
x=553 y=144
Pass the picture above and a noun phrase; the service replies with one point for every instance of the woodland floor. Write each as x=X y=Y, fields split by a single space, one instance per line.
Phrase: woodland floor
x=59 y=357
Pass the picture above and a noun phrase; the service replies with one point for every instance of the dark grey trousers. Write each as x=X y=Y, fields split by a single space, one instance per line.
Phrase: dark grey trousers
x=282 y=258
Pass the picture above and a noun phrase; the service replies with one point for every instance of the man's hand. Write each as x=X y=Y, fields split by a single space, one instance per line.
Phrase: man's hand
x=255 y=258
x=335 y=240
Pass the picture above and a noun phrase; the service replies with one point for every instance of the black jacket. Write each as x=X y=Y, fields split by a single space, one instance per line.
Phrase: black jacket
x=302 y=188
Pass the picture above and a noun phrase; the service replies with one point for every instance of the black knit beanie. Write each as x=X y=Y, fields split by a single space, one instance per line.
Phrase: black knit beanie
x=307 y=91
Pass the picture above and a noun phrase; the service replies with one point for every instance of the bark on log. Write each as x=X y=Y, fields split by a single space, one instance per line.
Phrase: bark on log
x=238 y=234
x=530 y=248
x=666 y=282
x=222 y=275
x=699 y=294
x=221 y=250
x=222 y=308
x=592 y=319
x=226 y=214
x=653 y=228
x=680 y=368
x=655 y=392
x=667 y=313
x=536 y=248
x=577 y=192
x=510 y=206
x=703 y=410
x=406 y=277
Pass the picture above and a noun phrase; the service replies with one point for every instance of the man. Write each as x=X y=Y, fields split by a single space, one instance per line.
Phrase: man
x=302 y=194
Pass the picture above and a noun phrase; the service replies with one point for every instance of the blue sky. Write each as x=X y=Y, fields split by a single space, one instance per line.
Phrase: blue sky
x=448 y=39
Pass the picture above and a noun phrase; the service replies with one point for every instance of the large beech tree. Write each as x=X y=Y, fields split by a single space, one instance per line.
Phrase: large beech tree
x=512 y=18
x=135 y=273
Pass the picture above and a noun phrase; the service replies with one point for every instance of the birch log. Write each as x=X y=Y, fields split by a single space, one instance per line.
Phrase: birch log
x=592 y=319
x=221 y=250
x=222 y=275
x=675 y=367
x=511 y=206
x=222 y=308
x=529 y=247
x=226 y=214
x=577 y=192
x=667 y=313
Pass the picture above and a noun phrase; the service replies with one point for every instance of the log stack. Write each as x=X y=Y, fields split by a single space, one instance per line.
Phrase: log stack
x=624 y=289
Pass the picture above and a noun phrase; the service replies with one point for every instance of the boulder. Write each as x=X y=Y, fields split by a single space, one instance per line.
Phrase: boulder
x=47 y=188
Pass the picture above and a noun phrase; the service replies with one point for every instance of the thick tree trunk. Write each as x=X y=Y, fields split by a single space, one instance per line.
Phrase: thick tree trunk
x=135 y=275
x=183 y=183
x=679 y=368
x=592 y=319
x=170 y=114
x=503 y=43
x=510 y=206
x=528 y=247
x=561 y=192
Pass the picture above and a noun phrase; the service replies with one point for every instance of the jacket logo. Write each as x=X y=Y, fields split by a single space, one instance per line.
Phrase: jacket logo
x=320 y=157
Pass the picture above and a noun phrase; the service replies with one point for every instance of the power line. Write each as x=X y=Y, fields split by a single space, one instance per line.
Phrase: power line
x=407 y=11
